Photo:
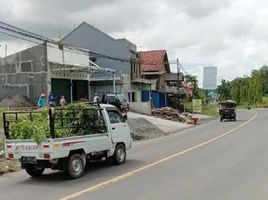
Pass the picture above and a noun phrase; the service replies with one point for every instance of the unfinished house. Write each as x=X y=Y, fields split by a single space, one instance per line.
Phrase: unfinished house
x=24 y=73
x=107 y=52
x=44 y=68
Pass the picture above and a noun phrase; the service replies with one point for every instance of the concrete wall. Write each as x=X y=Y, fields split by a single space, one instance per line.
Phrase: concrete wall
x=126 y=87
x=24 y=73
x=99 y=89
x=138 y=106
x=122 y=86
x=141 y=107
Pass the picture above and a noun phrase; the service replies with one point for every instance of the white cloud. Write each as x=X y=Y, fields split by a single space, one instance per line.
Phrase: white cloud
x=230 y=34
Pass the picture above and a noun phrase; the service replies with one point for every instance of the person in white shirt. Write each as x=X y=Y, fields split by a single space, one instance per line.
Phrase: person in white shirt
x=96 y=98
x=62 y=101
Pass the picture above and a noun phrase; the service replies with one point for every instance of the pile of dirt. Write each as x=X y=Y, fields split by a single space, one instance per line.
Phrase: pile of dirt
x=82 y=100
x=16 y=101
x=141 y=129
x=168 y=113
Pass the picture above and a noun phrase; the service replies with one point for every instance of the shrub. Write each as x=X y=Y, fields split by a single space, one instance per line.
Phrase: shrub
x=77 y=119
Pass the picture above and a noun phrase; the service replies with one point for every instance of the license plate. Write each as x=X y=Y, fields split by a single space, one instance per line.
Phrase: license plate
x=27 y=147
x=29 y=159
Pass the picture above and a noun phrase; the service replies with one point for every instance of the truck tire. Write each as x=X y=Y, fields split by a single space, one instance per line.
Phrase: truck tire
x=120 y=155
x=33 y=171
x=74 y=166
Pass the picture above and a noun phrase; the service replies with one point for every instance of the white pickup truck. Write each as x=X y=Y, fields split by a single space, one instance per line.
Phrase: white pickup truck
x=70 y=154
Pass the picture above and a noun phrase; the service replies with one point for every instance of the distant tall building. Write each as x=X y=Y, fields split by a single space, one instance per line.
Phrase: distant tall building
x=210 y=78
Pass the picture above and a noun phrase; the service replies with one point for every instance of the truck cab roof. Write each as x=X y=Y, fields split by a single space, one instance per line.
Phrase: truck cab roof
x=103 y=105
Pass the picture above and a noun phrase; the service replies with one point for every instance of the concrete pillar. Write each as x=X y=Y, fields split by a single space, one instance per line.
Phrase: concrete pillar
x=114 y=83
x=71 y=90
x=89 y=91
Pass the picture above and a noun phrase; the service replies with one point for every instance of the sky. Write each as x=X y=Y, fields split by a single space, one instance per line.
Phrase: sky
x=229 y=34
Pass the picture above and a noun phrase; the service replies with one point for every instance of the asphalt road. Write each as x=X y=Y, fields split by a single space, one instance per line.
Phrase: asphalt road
x=212 y=161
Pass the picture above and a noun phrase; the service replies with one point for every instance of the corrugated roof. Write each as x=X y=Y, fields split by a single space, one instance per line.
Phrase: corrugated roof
x=153 y=61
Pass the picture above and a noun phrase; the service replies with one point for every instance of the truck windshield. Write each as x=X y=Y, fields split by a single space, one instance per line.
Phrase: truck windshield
x=122 y=98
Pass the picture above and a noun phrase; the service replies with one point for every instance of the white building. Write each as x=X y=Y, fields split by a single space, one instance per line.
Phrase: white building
x=210 y=78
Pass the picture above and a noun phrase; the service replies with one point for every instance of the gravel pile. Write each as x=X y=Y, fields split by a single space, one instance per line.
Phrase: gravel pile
x=16 y=101
x=141 y=129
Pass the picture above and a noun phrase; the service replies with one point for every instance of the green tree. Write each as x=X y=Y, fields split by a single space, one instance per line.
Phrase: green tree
x=264 y=76
x=224 y=90
x=255 y=87
x=239 y=90
x=235 y=90
x=246 y=89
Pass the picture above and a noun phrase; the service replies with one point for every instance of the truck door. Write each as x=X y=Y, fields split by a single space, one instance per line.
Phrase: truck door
x=119 y=129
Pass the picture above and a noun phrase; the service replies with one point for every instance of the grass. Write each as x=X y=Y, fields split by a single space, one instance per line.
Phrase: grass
x=264 y=103
x=210 y=109
x=265 y=100
x=188 y=106
x=244 y=105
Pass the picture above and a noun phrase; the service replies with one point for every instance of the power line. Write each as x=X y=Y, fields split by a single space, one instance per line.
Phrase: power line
x=69 y=48
x=23 y=30
x=16 y=30
x=19 y=37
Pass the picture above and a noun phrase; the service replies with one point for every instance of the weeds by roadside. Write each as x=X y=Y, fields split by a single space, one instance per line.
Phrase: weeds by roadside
x=209 y=109
x=7 y=165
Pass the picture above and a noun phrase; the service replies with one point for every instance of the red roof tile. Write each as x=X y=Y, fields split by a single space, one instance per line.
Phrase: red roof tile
x=152 y=61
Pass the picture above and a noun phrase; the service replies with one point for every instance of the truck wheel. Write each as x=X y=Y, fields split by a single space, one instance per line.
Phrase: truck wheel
x=33 y=171
x=75 y=166
x=221 y=119
x=119 y=156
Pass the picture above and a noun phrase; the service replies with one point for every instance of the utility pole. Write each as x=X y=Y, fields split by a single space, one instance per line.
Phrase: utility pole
x=6 y=54
x=178 y=83
x=59 y=36
x=6 y=51
x=114 y=90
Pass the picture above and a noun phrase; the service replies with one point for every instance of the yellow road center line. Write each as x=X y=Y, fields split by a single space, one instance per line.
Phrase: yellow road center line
x=133 y=172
